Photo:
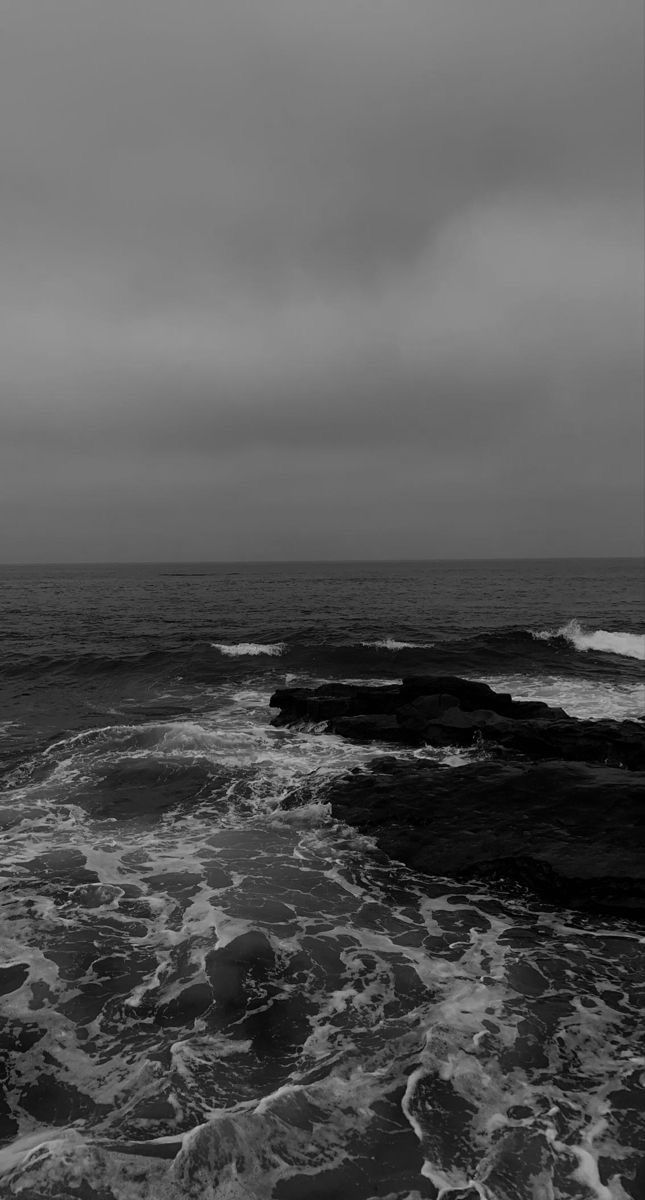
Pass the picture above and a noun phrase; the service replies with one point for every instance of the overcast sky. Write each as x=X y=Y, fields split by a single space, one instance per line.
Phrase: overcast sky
x=320 y=278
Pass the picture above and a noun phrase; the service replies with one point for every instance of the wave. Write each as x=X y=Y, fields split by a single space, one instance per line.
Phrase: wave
x=393 y=644
x=616 y=656
x=627 y=645
x=228 y=759
x=155 y=663
x=85 y=663
x=239 y=649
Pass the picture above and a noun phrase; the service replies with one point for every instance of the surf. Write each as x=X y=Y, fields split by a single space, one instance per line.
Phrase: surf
x=249 y=649
x=603 y=641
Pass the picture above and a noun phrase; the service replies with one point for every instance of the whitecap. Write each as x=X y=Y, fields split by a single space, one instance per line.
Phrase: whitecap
x=393 y=644
x=628 y=645
x=239 y=649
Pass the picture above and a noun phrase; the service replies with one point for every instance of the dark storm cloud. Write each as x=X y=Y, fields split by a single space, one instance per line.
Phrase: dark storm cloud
x=274 y=245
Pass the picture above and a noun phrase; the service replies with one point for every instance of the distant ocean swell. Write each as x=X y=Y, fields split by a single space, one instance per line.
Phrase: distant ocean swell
x=569 y=649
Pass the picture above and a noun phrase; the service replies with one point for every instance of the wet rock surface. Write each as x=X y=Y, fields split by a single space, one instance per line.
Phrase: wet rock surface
x=555 y=804
x=571 y=832
x=448 y=711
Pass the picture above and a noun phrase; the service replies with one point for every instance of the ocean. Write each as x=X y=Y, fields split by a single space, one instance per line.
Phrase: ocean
x=211 y=989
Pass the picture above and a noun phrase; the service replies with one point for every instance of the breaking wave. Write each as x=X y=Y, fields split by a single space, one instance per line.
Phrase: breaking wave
x=628 y=645
x=508 y=649
x=240 y=649
x=393 y=644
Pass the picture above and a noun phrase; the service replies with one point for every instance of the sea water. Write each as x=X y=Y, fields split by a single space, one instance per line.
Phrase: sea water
x=209 y=987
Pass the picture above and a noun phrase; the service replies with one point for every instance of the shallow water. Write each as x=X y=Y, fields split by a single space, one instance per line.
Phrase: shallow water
x=211 y=989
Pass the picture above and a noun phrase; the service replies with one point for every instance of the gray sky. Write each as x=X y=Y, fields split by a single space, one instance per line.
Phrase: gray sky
x=320 y=278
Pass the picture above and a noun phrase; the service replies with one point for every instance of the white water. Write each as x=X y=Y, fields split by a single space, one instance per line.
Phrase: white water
x=393 y=644
x=594 y=699
x=356 y=1018
x=627 y=645
x=243 y=649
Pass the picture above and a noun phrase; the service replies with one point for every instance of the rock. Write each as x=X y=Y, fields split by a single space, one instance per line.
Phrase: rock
x=312 y=704
x=469 y=693
x=423 y=710
x=556 y=805
x=611 y=895
x=385 y=699
x=480 y=718
x=379 y=726
x=572 y=833
x=446 y=710
x=614 y=743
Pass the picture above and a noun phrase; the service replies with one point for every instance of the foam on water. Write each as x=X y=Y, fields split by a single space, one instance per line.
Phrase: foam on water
x=392 y=644
x=595 y=699
x=243 y=649
x=226 y=997
x=628 y=645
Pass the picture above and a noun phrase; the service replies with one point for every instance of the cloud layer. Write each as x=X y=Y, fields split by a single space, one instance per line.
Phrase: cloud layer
x=298 y=280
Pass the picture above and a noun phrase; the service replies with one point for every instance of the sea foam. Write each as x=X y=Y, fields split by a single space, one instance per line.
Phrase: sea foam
x=393 y=644
x=628 y=645
x=238 y=649
x=588 y=699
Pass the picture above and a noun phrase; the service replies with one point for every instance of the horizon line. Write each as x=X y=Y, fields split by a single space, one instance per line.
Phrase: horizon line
x=249 y=562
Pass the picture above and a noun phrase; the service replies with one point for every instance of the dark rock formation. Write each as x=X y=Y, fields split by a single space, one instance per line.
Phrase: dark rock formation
x=556 y=805
x=573 y=833
x=448 y=711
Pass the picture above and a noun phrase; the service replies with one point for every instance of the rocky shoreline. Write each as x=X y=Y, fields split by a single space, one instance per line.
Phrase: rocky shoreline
x=555 y=804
